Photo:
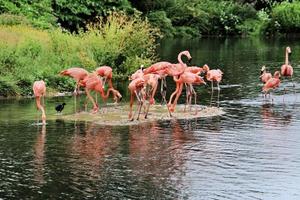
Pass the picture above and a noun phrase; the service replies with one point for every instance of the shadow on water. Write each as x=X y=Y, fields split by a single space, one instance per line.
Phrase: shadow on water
x=251 y=152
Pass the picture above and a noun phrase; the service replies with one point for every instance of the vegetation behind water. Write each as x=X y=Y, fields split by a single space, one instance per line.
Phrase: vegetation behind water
x=28 y=54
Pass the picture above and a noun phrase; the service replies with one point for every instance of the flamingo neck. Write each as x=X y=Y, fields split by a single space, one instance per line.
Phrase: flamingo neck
x=286 y=57
x=179 y=58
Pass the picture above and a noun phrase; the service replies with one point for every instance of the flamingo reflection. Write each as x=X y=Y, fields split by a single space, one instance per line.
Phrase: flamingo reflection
x=39 y=155
x=272 y=117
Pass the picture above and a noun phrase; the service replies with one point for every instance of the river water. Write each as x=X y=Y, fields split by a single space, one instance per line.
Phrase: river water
x=251 y=152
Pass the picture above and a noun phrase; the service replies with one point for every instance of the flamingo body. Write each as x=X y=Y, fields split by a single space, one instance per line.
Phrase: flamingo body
x=39 y=90
x=214 y=75
x=286 y=70
x=272 y=83
x=104 y=71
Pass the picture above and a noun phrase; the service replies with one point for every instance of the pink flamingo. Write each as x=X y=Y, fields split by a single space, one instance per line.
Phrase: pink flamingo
x=286 y=68
x=176 y=70
x=106 y=72
x=39 y=90
x=136 y=89
x=265 y=76
x=77 y=73
x=194 y=70
x=272 y=83
x=92 y=82
x=214 y=75
x=150 y=80
x=189 y=79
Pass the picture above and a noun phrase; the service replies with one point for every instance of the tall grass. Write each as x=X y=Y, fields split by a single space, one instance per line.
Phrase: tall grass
x=28 y=54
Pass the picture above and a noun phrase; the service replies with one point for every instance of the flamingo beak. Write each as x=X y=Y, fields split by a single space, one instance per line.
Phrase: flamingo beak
x=189 y=60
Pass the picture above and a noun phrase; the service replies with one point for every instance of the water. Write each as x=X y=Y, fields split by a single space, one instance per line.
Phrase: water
x=251 y=152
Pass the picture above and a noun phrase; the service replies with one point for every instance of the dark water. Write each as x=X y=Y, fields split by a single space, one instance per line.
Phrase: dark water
x=251 y=152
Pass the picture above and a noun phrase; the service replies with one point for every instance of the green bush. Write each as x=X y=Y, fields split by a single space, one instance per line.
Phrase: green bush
x=28 y=54
x=285 y=17
x=159 y=19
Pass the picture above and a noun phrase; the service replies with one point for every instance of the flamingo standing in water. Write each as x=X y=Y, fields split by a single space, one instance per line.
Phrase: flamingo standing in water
x=39 y=90
x=213 y=75
x=78 y=74
x=286 y=68
x=150 y=84
x=272 y=83
x=189 y=79
x=160 y=69
x=92 y=82
x=106 y=72
x=136 y=89
x=265 y=76
x=176 y=70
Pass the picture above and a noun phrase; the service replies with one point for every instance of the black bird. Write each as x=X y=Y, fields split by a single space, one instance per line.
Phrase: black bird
x=60 y=107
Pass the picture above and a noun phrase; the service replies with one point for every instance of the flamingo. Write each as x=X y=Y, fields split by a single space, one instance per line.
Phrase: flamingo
x=213 y=75
x=176 y=70
x=189 y=79
x=194 y=70
x=39 y=90
x=286 y=68
x=106 y=72
x=265 y=76
x=78 y=74
x=135 y=87
x=92 y=82
x=272 y=83
x=150 y=80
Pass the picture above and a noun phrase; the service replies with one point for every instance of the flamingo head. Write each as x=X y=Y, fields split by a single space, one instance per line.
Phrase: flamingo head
x=288 y=50
x=263 y=69
x=205 y=68
x=187 y=54
x=277 y=74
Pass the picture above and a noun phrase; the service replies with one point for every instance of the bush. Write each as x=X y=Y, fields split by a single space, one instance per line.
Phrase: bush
x=285 y=17
x=28 y=54
x=159 y=19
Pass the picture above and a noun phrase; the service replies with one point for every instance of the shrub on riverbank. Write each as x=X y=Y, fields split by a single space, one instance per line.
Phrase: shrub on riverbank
x=285 y=18
x=28 y=54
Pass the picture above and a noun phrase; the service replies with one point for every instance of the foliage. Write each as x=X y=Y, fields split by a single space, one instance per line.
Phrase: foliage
x=29 y=54
x=75 y=15
x=39 y=13
x=285 y=17
x=159 y=19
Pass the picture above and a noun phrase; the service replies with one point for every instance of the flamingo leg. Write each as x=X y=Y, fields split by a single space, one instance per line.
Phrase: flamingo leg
x=95 y=106
x=173 y=94
x=130 y=107
x=40 y=107
x=163 y=86
x=140 y=99
x=218 y=99
x=195 y=94
x=177 y=97
x=212 y=92
x=187 y=94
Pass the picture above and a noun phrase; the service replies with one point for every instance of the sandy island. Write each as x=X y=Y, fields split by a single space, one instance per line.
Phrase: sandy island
x=117 y=115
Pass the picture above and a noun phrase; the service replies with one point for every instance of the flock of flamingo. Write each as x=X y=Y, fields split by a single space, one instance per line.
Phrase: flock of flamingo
x=274 y=82
x=144 y=83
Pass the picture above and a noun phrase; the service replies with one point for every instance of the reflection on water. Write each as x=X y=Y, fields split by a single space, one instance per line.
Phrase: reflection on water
x=39 y=154
x=251 y=152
